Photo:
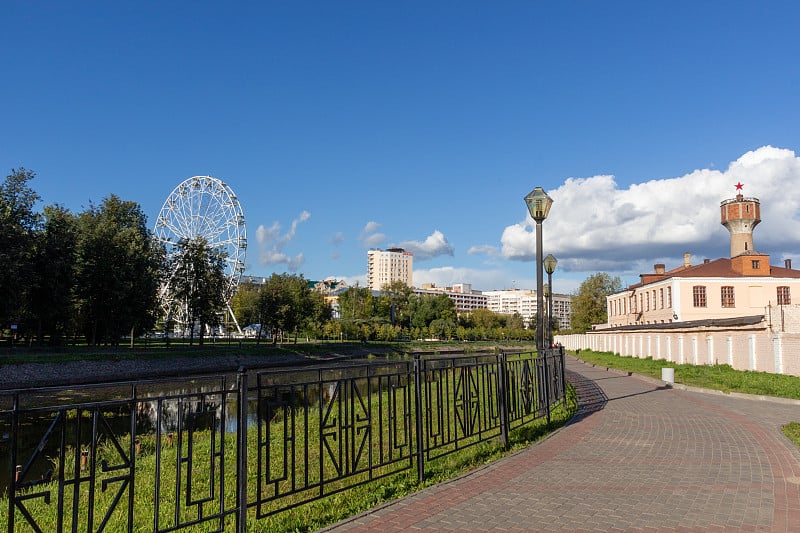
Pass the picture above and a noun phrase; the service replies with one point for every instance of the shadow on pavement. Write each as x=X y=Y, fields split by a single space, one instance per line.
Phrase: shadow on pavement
x=591 y=397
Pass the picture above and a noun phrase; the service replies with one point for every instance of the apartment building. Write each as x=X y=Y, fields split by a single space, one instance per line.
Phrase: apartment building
x=388 y=266
x=524 y=302
x=463 y=296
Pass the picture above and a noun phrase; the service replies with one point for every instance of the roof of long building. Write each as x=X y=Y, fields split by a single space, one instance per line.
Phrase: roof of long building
x=718 y=268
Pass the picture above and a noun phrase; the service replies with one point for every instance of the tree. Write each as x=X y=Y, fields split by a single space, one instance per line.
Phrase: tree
x=286 y=304
x=356 y=307
x=245 y=304
x=515 y=321
x=198 y=284
x=424 y=309
x=589 y=304
x=484 y=319
x=18 y=224
x=118 y=270
x=53 y=279
x=356 y=303
x=396 y=296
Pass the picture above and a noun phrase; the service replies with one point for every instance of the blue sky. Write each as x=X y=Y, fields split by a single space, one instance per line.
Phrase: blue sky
x=344 y=125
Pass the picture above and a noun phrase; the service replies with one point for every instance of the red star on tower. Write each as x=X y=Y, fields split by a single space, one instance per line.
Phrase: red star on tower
x=739 y=186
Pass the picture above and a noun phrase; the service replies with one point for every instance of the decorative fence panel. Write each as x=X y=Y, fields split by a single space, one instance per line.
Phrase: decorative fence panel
x=208 y=453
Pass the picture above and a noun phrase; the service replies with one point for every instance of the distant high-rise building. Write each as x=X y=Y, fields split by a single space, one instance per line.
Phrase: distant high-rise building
x=388 y=266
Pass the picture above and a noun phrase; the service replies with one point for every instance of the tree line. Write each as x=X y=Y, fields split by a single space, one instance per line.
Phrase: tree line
x=97 y=275
x=287 y=305
x=94 y=275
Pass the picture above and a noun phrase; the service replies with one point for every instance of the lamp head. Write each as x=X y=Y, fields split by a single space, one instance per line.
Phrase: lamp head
x=538 y=204
x=550 y=263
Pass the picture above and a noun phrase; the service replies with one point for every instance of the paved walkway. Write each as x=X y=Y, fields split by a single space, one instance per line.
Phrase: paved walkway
x=638 y=457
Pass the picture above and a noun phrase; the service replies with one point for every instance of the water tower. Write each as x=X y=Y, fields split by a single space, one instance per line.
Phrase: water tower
x=740 y=215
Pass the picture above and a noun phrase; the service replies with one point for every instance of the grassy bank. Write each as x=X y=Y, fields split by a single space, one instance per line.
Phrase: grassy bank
x=717 y=377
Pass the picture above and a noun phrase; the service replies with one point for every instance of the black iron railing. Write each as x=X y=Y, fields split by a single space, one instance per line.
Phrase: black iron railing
x=208 y=453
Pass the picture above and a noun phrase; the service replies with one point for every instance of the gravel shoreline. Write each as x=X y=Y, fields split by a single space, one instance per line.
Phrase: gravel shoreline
x=114 y=368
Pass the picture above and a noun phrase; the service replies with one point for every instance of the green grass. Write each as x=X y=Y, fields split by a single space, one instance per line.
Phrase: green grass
x=792 y=430
x=717 y=377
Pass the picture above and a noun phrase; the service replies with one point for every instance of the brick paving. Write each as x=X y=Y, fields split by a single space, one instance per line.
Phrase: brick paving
x=638 y=457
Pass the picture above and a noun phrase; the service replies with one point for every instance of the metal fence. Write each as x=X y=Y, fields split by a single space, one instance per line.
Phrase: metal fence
x=209 y=453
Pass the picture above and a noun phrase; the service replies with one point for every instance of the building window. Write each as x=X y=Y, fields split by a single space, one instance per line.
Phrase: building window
x=699 y=293
x=756 y=263
x=784 y=296
x=669 y=297
x=661 y=297
x=727 y=297
x=647 y=302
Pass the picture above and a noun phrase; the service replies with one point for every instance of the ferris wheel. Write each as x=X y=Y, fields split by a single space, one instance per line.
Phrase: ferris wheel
x=203 y=206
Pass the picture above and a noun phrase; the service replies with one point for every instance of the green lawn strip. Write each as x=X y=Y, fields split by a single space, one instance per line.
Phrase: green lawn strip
x=717 y=377
x=792 y=430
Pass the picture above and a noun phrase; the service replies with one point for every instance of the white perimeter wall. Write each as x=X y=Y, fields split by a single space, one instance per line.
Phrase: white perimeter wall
x=744 y=349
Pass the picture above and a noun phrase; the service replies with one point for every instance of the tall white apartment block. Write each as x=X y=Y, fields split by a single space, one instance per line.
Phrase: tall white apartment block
x=388 y=266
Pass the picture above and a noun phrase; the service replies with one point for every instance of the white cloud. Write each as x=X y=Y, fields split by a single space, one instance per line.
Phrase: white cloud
x=337 y=239
x=369 y=236
x=434 y=245
x=483 y=249
x=595 y=226
x=371 y=227
x=271 y=243
x=373 y=241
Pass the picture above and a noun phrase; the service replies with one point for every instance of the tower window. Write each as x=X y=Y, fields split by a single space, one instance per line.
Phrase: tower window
x=756 y=264
x=728 y=297
x=699 y=295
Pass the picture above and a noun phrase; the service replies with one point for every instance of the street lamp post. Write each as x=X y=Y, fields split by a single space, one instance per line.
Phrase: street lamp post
x=539 y=206
x=546 y=320
x=550 y=263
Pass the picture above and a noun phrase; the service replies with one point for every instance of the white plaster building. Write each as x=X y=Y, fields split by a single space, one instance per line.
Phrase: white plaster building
x=388 y=266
